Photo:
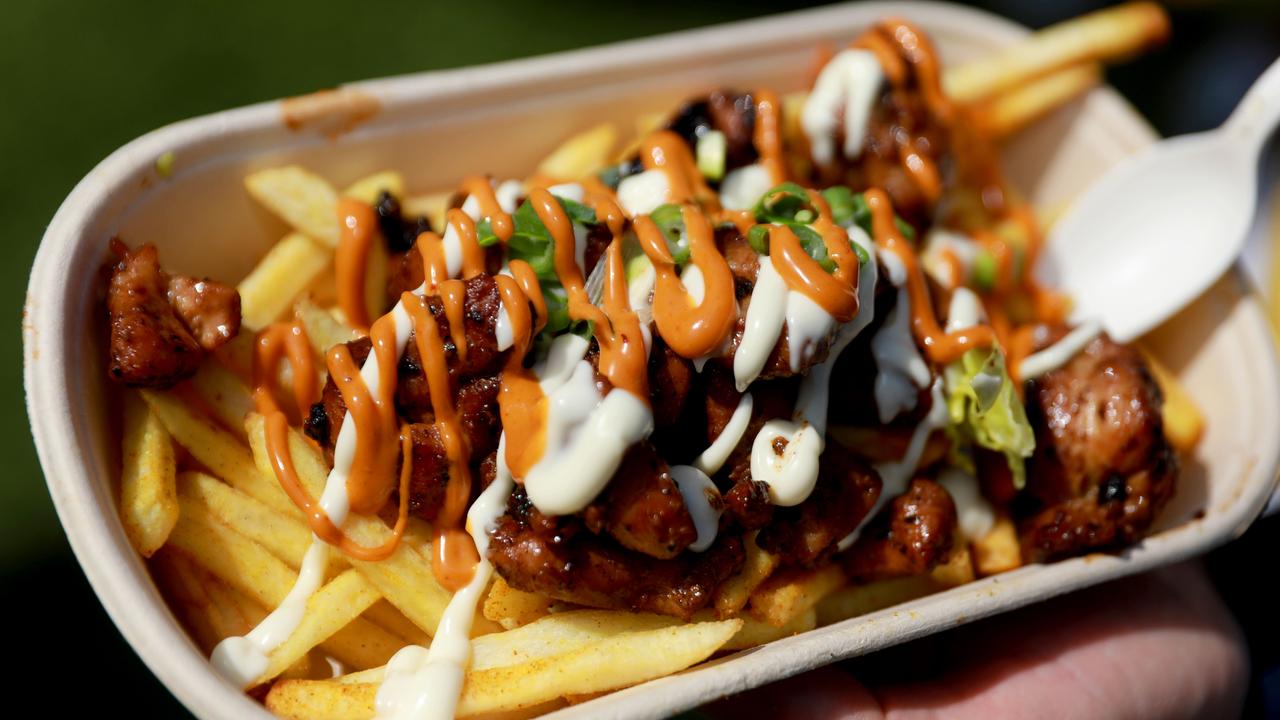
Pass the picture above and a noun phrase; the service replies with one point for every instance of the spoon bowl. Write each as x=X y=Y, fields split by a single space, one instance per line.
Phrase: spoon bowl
x=1169 y=220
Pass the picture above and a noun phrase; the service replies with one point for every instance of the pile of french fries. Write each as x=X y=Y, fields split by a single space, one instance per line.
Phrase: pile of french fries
x=199 y=499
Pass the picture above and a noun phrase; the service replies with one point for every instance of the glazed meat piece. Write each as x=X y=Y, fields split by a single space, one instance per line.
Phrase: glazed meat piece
x=909 y=537
x=746 y=501
x=161 y=326
x=560 y=558
x=1102 y=467
x=671 y=378
x=406 y=271
x=398 y=231
x=805 y=534
x=732 y=113
x=642 y=508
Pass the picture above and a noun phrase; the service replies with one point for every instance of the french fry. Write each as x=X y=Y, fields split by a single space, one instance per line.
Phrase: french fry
x=512 y=608
x=237 y=355
x=323 y=329
x=219 y=451
x=205 y=621
x=558 y=634
x=284 y=273
x=433 y=206
x=582 y=154
x=301 y=198
x=792 y=593
x=755 y=633
x=225 y=394
x=330 y=609
x=148 y=495
x=250 y=569
x=732 y=595
x=385 y=615
x=1183 y=421
x=367 y=189
x=404 y=578
x=284 y=536
x=1106 y=35
x=854 y=600
x=998 y=551
x=645 y=123
x=607 y=664
x=1009 y=112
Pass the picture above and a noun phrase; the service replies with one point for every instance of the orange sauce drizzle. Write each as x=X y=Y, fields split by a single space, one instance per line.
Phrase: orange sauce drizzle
x=691 y=330
x=453 y=556
x=941 y=347
x=273 y=344
x=358 y=226
x=767 y=137
x=374 y=415
x=835 y=293
x=666 y=151
x=480 y=188
x=452 y=295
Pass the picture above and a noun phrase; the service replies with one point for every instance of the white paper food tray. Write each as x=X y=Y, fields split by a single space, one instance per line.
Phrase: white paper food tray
x=437 y=127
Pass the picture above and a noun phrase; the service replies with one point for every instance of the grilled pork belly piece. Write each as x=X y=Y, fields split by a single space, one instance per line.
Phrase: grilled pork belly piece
x=1102 y=469
x=642 y=507
x=561 y=558
x=911 y=535
x=162 y=325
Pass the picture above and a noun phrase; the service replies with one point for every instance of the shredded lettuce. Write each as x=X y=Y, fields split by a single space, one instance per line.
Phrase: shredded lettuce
x=984 y=409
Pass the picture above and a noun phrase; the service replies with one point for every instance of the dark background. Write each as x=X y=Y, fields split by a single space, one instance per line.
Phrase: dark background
x=81 y=78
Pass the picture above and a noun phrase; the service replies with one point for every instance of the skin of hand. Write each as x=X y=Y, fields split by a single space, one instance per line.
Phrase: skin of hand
x=1159 y=645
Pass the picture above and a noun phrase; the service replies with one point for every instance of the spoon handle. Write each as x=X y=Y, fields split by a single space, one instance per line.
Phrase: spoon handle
x=1259 y=112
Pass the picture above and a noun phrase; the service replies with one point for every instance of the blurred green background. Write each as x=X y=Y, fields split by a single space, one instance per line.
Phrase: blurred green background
x=82 y=78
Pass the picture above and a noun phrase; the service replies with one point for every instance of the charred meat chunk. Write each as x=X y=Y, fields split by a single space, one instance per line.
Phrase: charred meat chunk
x=398 y=231
x=642 y=507
x=807 y=533
x=1102 y=467
x=161 y=326
x=561 y=558
x=909 y=537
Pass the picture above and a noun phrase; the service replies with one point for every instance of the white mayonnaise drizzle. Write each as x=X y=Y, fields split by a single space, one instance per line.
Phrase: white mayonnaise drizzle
x=586 y=435
x=895 y=474
x=900 y=370
x=974 y=514
x=422 y=684
x=744 y=186
x=1059 y=353
x=714 y=457
x=765 y=317
x=962 y=247
x=702 y=499
x=642 y=193
x=243 y=659
x=807 y=326
x=847 y=86
x=966 y=310
x=792 y=473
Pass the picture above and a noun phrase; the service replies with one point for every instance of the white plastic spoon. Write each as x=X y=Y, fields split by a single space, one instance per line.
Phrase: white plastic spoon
x=1160 y=227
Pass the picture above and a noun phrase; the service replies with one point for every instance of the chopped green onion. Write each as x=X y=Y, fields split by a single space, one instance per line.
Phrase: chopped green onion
x=984 y=271
x=711 y=151
x=164 y=164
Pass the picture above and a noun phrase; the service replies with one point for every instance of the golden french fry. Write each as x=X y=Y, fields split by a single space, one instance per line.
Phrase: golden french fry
x=284 y=536
x=645 y=123
x=958 y=569
x=512 y=608
x=237 y=355
x=791 y=593
x=323 y=329
x=225 y=394
x=580 y=155
x=219 y=451
x=1183 y=421
x=558 y=634
x=998 y=551
x=330 y=609
x=205 y=622
x=301 y=198
x=433 y=206
x=1009 y=112
x=148 y=496
x=284 y=273
x=385 y=615
x=854 y=600
x=404 y=578
x=367 y=189
x=1107 y=35
x=607 y=664
x=732 y=595
x=754 y=632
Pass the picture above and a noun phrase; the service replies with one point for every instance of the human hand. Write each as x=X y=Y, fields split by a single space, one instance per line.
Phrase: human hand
x=1159 y=645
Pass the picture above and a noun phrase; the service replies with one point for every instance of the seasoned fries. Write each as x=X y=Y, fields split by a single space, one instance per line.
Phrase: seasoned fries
x=400 y=484
x=148 y=501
